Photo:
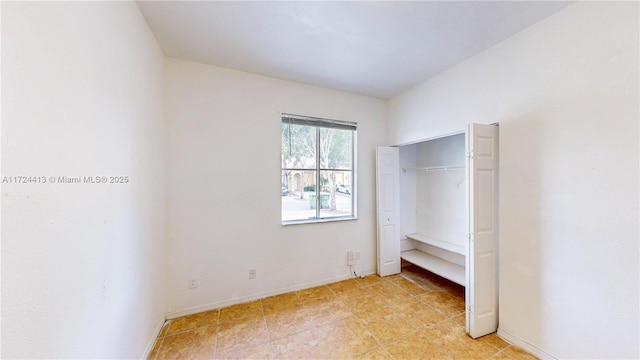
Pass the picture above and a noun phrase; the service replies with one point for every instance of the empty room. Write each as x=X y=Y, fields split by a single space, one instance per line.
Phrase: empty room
x=320 y=180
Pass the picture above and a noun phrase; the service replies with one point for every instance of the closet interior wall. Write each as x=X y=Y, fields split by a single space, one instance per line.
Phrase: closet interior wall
x=433 y=202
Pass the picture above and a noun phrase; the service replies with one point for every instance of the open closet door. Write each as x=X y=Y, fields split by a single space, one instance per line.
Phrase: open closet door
x=388 y=209
x=482 y=259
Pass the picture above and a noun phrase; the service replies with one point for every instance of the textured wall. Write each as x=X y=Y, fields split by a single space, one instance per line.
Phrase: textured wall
x=82 y=263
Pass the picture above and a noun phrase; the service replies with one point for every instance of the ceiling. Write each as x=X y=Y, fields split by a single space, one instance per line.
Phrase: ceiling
x=377 y=48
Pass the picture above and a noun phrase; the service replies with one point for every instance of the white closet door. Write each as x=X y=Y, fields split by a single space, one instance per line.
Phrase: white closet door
x=388 y=204
x=482 y=259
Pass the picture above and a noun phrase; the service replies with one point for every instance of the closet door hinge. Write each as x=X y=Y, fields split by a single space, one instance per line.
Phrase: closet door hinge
x=470 y=308
x=470 y=236
x=470 y=155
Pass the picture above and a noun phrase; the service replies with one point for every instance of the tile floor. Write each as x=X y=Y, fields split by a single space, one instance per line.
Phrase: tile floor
x=413 y=315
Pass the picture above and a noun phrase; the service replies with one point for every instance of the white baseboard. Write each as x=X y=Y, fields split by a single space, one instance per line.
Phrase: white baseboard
x=147 y=351
x=526 y=346
x=252 y=297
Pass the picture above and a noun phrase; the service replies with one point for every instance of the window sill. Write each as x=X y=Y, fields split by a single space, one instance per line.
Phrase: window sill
x=316 y=221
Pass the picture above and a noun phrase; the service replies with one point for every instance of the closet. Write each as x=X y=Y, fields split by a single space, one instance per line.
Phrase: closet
x=437 y=209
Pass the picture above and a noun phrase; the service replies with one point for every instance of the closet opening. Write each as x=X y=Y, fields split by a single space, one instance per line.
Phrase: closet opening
x=432 y=206
x=437 y=209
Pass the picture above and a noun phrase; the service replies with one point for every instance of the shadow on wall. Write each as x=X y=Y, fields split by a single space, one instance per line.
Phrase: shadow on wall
x=520 y=220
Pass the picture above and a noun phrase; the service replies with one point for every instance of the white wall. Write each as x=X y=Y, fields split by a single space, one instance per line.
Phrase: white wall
x=82 y=264
x=223 y=187
x=440 y=210
x=565 y=92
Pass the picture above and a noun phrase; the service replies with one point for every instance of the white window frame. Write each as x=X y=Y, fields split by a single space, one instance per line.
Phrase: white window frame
x=334 y=124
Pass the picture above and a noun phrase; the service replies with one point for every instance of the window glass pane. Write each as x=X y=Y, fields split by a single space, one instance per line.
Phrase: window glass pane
x=335 y=148
x=309 y=145
x=337 y=191
x=298 y=195
x=298 y=146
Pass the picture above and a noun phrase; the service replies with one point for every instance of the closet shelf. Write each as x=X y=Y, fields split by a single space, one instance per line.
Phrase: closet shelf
x=436 y=265
x=434 y=168
x=458 y=249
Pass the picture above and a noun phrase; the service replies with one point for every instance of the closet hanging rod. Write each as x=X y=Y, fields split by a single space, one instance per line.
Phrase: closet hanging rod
x=435 y=168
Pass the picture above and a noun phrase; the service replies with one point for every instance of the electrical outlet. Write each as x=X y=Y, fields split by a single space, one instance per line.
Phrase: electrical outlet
x=352 y=256
x=193 y=283
x=252 y=273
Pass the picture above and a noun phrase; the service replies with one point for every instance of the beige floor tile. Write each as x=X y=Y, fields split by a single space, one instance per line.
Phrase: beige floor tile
x=165 y=328
x=416 y=346
x=456 y=291
x=258 y=352
x=354 y=293
x=425 y=283
x=459 y=345
x=461 y=319
x=370 y=280
x=390 y=328
x=191 y=322
x=346 y=339
x=288 y=321
x=444 y=302
x=389 y=292
x=495 y=341
x=426 y=278
x=240 y=334
x=420 y=280
x=322 y=311
x=448 y=333
x=241 y=311
x=386 y=325
x=467 y=351
x=366 y=316
x=195 y=344
x=417 y=313
x=156 y=348
x=412 y=315
x=377 y=354
x=392 y=277
x=361 y=300
x=280 y=302
x=345 y=285
x=447 y=286
x=518 y=354
x=320 y=292
x=302 y=345
x=411 y=287
x=501 y=356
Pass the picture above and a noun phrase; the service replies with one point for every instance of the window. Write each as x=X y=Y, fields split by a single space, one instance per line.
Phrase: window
x=318 y=176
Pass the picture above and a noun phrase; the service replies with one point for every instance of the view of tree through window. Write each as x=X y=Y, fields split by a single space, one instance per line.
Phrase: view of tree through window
x=317 y=169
